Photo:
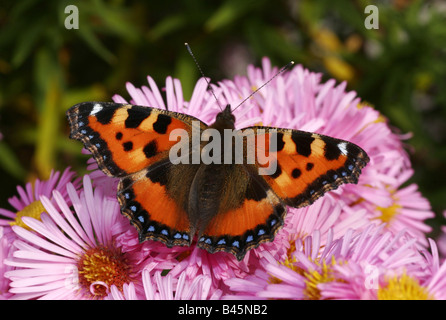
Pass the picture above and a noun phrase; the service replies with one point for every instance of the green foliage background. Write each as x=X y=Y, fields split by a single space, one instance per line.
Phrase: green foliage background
x=45 y=68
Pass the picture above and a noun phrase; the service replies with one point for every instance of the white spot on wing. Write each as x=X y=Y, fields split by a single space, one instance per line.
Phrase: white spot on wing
x=96 y=108
x=343 y=147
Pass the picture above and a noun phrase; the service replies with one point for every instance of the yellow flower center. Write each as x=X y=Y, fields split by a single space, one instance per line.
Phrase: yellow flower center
x=33 y=210
x=387 y=214
x=390 y=212
x=101 y=267
x=403 y=288
x=313 y=278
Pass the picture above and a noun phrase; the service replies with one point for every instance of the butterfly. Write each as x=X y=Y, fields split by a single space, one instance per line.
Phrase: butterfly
x=222 y=206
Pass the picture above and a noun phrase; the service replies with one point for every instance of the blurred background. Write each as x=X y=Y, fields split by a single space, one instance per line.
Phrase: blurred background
x=400 y=68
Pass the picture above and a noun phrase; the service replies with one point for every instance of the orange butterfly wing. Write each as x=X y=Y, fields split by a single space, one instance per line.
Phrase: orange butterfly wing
x=306 y=166
x=125 y=139
x=132 y=142
x=147 y=203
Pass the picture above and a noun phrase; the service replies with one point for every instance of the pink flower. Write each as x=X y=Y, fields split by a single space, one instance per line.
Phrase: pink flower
x=73 y=255
x=435 y=284
x=442 y=239
x=329 y=217
x=6 y=250
x=158 y=287
x=428 y=283
x=28 y=203
x=351 y=267
x=408 y=211
x=218 y=267
x=375 y=262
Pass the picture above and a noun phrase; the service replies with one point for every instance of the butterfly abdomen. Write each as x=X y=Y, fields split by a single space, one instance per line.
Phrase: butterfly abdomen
x=203 y=196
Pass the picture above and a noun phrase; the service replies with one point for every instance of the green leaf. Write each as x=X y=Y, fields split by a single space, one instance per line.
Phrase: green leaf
x=48 y=103
x=91 y=39
x=25 y=44
x=167 y=26
x=229 y=12
x=115 y=22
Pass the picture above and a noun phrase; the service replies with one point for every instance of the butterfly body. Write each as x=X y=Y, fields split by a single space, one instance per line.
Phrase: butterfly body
x=227 y=204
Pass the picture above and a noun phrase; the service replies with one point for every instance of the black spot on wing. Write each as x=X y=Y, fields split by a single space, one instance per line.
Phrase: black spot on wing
x=136 y=115
x=309 y=166
x=161 y=123
x=106 y=114
x=150 y=149
x=296 y=173
x=128 y=146
x=303 y=141
x=331 y=149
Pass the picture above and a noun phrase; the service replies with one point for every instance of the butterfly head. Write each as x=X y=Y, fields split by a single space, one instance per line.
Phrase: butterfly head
x=225 y=119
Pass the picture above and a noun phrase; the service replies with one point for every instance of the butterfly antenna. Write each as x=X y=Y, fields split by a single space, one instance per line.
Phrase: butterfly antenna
x=253 y=93
x=202 y=74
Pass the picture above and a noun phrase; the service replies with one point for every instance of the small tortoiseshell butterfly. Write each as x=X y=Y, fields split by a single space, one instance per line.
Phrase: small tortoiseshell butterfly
x=230 y=207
